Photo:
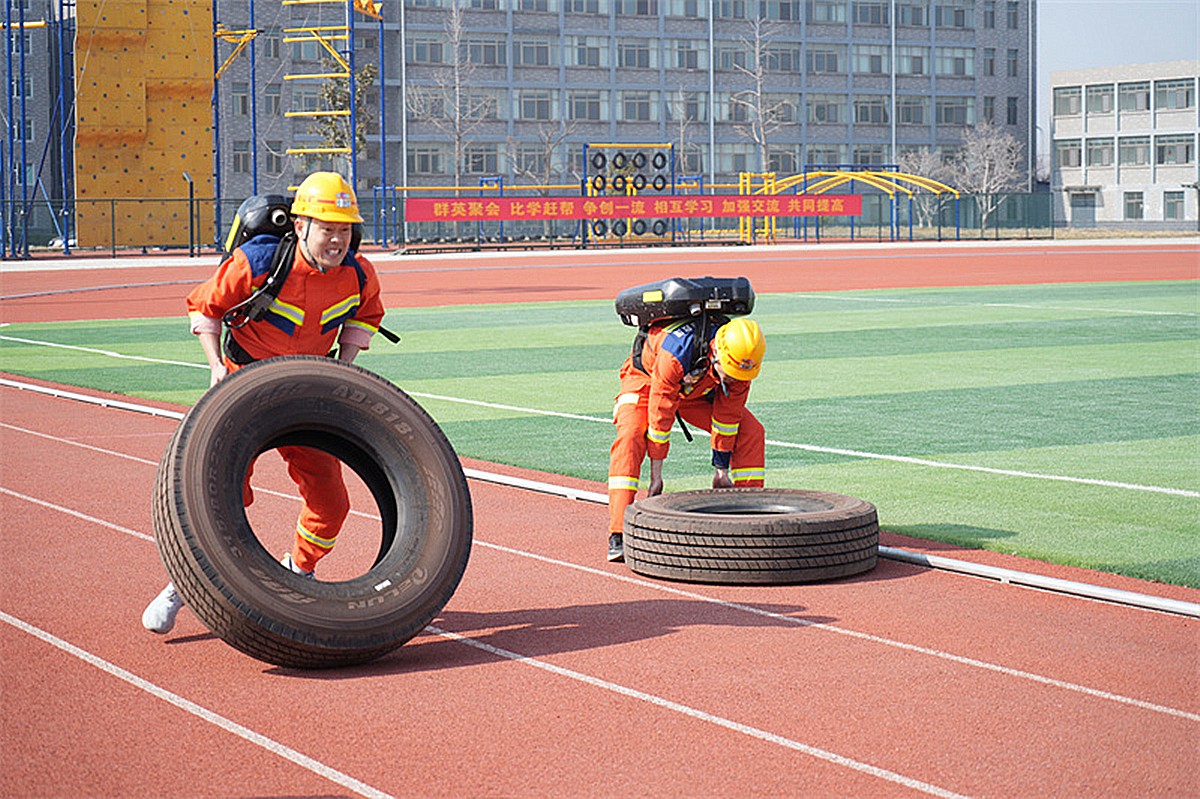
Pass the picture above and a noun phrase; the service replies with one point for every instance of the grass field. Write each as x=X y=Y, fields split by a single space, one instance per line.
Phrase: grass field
x=1056 y=422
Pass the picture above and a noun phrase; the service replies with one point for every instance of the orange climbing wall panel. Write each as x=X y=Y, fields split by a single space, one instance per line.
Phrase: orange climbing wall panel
x=144 y=81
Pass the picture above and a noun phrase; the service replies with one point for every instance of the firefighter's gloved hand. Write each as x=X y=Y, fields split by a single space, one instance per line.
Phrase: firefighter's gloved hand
x=656 y=479
x=721 y=479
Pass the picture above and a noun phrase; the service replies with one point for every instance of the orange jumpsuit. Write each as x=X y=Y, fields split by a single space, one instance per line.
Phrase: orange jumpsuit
x=313 y=311
x=649 y=400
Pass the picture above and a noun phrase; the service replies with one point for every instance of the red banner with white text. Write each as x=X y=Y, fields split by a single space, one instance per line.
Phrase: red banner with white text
x=504 y=209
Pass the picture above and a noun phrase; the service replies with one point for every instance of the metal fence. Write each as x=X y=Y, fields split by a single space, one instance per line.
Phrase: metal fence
x=199 y=225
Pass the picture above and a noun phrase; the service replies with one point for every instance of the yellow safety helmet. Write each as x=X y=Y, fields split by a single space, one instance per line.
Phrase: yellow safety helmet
x=740 y=346
x=328 y=197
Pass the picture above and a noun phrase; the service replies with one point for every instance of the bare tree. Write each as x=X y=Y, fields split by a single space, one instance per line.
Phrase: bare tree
x=925 y=163
x=680 y=106
x=450 y=105
x=545 y=161
x=763 y=116
x=333 y=129
x=989 y=167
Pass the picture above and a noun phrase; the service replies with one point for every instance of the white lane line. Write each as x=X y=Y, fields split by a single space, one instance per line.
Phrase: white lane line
x=269 y=744
x=668 y=589
x=676 y=707
x=852 y=453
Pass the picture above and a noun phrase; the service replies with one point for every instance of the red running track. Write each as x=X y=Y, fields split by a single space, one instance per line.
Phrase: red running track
x=553 y=673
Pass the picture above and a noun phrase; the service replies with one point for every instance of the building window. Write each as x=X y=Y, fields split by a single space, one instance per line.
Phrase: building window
x=306 y=97
x=989 y=14
x=483 y=5
x=825 y=59
x=955 y=62
x=782 y=10
x=1067 y=101
x=783 y=59
x=634 y=53
x=534 y=104
x=273 y=100
x=424 y=52
x=870 y=154
x=989 y=109
x=731 y=58
x=955 y=111
x=1014 y=15
x=1100 y=152
x=1174 y=95
x=424 y=160
x=913 y=14
x=1013 y=116
x=271 y=45
x=870 y=13
x=689 y=9
x=1099 y=99
x=635 y=106
x=688 y=55
x=1133 y=96
x=637 y=8
x=826 y=154
x=954 y=14
x=241 y=157
x=531 y=54
x=871 y=110
x=1068 y=153
x=584 y=7
x=1014 y=62
x=1134 y=151
x=1174 y=150
x=481 y=159
x=241 y=99
x=731 y=9
x=827 y=11
x=590 y=51
x=1173 y=205
x=989 y=62
x=912 y=60
x=487 y=52
x=912 y=110
x=584 y=106
x=533 y=5
x=870 y=59
x=825 y=109
x=1133 y=205
x=274 y=159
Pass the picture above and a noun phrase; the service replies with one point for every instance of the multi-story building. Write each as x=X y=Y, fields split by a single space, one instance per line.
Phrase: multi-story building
x=40 y=90
x=1124 y=145
x=840 y=82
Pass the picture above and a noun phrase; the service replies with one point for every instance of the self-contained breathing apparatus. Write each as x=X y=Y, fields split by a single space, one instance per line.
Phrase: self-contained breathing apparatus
x=710 y=300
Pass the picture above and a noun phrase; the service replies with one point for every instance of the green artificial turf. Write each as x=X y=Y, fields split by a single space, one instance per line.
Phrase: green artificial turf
x=1080 y=398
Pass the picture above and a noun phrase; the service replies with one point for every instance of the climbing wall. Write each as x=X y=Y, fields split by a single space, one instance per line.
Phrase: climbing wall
x=144 y=81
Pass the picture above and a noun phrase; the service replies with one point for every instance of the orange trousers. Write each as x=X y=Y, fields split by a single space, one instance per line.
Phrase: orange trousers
x=747 y=465
x=326 y=504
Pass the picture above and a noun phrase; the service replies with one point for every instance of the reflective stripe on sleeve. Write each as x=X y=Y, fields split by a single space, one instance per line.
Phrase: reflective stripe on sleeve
x=741 y=475
x=323 y=543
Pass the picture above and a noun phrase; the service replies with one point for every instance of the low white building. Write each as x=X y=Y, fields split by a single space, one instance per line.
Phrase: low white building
x=1124 y=146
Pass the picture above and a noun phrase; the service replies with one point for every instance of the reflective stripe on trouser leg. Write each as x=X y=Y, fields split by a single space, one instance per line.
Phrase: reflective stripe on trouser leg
x=318 y=476
x=626 y=456
x=747 y=466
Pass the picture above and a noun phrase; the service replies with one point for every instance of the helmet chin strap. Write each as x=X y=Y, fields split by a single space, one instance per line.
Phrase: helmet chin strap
x=308 y=256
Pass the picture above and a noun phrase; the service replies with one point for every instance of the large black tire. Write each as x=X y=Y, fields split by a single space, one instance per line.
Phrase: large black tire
x=751 y=536
x=237 y=588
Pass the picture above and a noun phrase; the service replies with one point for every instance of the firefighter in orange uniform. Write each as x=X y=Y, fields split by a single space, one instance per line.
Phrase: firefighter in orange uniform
x=330 y=297
x=710 y=395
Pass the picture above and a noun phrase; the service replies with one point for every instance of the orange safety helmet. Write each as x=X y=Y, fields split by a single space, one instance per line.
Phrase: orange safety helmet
x=328 y=197
x=739 y=347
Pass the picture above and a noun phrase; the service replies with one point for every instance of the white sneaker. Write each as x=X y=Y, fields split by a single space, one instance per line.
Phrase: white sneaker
x=159 y=616
x=288 y=564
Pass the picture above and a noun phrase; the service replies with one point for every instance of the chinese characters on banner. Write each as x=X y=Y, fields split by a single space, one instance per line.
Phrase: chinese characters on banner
x=485 y=209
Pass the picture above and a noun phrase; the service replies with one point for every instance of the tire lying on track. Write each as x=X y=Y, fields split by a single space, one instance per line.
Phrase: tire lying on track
x=751 y=536
x=238 y=589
